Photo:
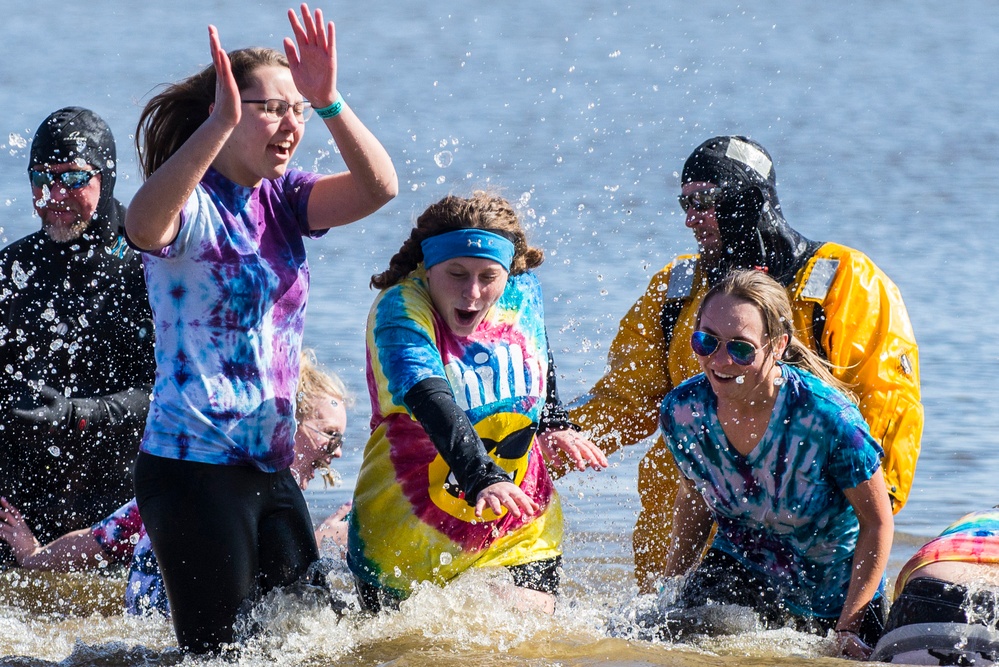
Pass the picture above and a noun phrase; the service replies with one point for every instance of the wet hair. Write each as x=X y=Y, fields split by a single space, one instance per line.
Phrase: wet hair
x=314 y=383
x=770 y=298
x=482 y=210
x=172 y=116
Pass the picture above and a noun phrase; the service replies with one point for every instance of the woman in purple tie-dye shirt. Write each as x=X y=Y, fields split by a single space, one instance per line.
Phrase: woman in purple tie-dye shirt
x=221 y=219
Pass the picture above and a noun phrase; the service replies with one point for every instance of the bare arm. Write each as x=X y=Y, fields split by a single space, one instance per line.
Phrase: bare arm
x=370 y=180
x=692 y=523
x=71 y=552
x=152 y=219
x=871 y=503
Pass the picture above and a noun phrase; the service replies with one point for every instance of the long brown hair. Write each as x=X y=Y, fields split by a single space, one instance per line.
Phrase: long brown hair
x=171 y=117
x=480 y=211
x=771 y=299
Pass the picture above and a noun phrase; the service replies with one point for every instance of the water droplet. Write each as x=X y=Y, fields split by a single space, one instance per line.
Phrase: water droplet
x=444 y=159
x=740 y=379
x=446 y=558
x=54 y=451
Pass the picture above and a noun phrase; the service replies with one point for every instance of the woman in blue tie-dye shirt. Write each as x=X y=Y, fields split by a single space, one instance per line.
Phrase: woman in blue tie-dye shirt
x=222 y=219
x=465 y=413
x=771 y=449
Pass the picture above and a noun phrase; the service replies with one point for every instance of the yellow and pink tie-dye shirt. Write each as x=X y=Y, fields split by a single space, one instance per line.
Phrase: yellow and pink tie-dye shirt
x=409 y=523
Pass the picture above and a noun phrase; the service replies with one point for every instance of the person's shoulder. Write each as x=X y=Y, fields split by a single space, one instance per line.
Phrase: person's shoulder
x=824 y=399
x=692 y=387
x=25 y=245
x=404 y=297
x=24 y=251
x=845 y=256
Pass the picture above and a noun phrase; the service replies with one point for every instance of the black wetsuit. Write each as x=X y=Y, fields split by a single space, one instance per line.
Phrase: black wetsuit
x=75 y=317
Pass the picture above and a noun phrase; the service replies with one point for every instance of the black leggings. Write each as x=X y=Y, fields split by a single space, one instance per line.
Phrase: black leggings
x=722 y=579
x=929 y=600
x=223 y=535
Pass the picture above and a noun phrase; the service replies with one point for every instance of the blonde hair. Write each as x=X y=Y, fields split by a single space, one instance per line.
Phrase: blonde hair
x=315 y=384
x=770 y=298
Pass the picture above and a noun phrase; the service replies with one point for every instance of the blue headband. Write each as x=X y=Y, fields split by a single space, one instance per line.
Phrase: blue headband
x=467 y=243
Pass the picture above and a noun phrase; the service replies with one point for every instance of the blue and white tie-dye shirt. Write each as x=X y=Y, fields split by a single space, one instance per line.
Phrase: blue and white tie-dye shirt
x=780 y=510
x=228 y=299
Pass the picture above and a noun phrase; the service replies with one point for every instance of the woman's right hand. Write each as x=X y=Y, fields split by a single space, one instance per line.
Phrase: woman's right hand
x=505 y=494
x=227 y=107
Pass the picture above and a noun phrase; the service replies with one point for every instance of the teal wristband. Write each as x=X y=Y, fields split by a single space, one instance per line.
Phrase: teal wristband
x=333 y=110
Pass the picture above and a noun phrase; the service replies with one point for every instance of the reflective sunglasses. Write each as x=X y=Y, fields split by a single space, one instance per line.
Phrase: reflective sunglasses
x=276 y=109
x=332 y=441
x=71 y=180
x=702 y=200
x=705 y=344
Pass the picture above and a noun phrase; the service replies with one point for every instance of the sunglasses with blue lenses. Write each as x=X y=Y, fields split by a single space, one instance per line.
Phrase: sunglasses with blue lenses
x=705 y=344
x=71 y=180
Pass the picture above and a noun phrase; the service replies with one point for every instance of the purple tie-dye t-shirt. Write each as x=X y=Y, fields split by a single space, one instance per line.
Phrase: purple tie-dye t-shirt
x=228 y=298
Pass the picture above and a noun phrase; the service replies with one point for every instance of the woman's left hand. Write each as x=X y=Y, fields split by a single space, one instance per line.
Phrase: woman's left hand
x=850 y=645
x=313 y=62
x=576 y=449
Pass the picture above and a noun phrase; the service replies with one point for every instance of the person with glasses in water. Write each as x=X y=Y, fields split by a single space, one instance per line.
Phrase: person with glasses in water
x=844 y=307
x=121 y=539
x=771 y=447
x=221 y=219
x=76 y=336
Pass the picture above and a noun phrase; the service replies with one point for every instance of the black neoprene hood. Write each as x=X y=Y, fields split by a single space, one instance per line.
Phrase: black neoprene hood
x=76 y=133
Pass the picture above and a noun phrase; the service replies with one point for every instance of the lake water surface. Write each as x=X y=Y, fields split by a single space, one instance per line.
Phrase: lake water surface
x=882 y=121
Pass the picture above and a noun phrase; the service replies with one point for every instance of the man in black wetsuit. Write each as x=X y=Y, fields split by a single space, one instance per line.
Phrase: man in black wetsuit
x=76 y=338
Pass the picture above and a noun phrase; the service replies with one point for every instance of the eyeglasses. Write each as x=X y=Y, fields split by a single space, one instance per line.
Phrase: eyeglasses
x=276 y=109
x=702 y=200
x=333 y=441
x=705 y=344
x=71 y=180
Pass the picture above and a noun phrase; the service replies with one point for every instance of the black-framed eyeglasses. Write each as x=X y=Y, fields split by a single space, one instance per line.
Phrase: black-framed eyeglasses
x=702 y=200
x=332 y=440
x=276 y=109
x=71 y=180
x=705 y=344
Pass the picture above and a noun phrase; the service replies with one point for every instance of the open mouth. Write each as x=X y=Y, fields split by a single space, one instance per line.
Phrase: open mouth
x=281 y=148
x=465 y=318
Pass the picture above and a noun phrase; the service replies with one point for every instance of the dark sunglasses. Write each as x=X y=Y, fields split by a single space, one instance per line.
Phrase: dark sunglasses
x=705 y=344
x=331 y=441
x=276 y=109
x=702 y=200
x=71 y=180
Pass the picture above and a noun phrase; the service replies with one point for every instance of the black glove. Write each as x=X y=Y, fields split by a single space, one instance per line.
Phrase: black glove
x=739 y=217
x=59 y=413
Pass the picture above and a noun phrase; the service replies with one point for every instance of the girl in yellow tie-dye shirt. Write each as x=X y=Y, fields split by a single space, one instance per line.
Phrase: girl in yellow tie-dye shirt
x=464 y=412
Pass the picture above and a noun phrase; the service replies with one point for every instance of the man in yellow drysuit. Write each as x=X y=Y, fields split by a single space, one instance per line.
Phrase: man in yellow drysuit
x=845 y=308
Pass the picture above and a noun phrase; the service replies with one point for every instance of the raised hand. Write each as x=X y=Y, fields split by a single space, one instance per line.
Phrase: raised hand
x=313 y=62
x=227 y=106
